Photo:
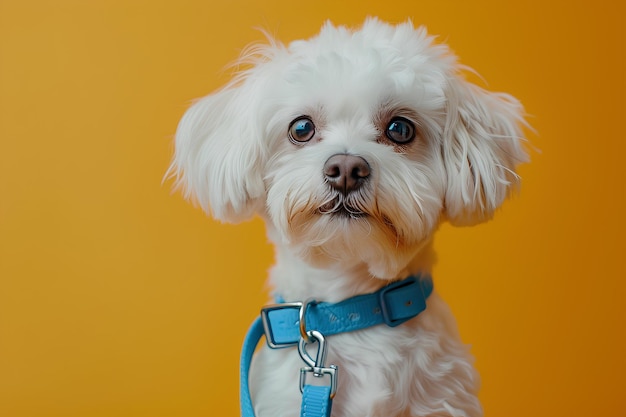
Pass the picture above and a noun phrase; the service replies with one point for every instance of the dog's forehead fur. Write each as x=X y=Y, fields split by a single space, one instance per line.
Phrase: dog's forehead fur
x=375 y=43
x=360 y=70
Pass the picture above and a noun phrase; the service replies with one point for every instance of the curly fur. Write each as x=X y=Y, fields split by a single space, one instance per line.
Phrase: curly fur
x=234 y=158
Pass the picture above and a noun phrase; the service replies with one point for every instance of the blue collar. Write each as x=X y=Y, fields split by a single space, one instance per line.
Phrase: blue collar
x=280 y=323
x=391 y=305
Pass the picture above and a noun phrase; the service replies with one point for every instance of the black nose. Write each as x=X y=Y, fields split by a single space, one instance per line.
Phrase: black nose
x=346 y=172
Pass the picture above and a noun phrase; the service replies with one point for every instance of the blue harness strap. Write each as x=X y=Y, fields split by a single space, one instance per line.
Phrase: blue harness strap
x=280 y=323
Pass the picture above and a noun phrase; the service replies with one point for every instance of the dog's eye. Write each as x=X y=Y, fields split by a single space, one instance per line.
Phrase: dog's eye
x=301 y=130
x=400 y=130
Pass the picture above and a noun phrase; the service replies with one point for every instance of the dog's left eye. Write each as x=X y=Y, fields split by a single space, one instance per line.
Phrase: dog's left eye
x=400 y=130
x=301 y=130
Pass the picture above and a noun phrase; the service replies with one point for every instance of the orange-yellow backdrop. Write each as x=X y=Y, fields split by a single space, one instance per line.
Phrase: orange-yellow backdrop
x=120 y=299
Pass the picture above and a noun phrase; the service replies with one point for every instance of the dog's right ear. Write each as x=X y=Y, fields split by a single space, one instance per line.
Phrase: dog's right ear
x=218 y=154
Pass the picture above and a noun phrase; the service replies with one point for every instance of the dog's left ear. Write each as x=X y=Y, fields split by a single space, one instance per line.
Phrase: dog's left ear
x=482 y=147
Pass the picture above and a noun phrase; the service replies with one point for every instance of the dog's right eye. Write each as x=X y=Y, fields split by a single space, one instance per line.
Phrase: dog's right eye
x=400 y=130
x=301 y=130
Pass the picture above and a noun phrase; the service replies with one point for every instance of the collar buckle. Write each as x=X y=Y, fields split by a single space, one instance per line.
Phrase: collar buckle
x=267 y=326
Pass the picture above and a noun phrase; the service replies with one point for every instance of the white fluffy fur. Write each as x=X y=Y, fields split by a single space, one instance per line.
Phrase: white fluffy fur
x=233 y=156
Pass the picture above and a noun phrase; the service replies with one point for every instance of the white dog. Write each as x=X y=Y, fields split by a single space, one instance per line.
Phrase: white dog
x=353 y=146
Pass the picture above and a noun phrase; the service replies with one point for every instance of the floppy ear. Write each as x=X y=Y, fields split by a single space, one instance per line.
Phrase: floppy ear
x=218 y=154
x=481 y=150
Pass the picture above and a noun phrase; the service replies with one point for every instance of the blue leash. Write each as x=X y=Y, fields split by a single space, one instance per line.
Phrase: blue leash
x=316 y=401
x=289 y=324
x=249 y=345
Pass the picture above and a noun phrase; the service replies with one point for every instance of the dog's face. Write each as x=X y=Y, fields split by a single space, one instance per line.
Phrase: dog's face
x=353 y=146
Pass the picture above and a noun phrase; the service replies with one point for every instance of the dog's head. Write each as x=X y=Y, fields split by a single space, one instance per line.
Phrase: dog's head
x=353 y=145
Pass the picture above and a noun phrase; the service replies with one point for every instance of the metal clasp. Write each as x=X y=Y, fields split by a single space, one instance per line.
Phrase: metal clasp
x=316 y=367
x=320 y=357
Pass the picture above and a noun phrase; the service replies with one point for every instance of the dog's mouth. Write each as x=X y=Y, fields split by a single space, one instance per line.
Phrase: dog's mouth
x=349 y=212
x=341 y=208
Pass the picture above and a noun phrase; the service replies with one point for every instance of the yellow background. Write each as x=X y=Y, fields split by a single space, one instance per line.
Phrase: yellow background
x=120 y=299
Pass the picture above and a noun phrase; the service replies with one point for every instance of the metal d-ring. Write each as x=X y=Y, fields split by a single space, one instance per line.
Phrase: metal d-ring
x=302 y=316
